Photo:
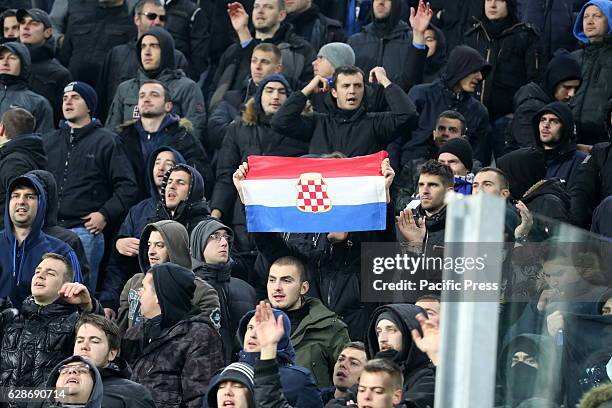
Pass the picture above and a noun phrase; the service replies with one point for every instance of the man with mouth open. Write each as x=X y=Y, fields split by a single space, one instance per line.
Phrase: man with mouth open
x=78 y=384
x=46 y=324
x=232 y=387
x=349 y=128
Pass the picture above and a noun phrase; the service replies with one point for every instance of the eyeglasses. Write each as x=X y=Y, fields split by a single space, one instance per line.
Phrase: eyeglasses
x=153 y=16
x=217 y=236
x=79 y=368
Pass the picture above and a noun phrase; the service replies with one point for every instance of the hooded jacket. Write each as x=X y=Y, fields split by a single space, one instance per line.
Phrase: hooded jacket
x=514 y=55
x=34 y=341
x=119 y=391
x=252 y=135
x=18 y=156
x=14 y=91
x=48 y=77
x=354 y=133
x=234 y=66
x=589 y=104
x=435 y=63
x=561 y=162
x=187 y=98
x=177 y=243
x=432 y=99
x=173 y=132
x=297 y=383
x=121 y=64
x=533 y=96
x=18 y=261
x=120 y=267
x=51 y=228
x=593 y=183
x=89 y=167
x=191 y=211
x=96 y=396
x=389 y=45
x=549 y=199
x=91 y=30
x=419 y=373
x=236 y=297
x=177 y=363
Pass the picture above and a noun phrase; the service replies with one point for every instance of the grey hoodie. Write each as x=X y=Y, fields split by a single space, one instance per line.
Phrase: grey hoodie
x=176 y=239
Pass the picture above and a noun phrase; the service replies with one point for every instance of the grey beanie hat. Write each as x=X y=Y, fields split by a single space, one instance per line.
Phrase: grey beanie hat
x=338 y=54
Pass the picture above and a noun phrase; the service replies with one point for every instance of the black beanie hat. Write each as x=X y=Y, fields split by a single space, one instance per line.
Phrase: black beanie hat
x=460 y=148
x=562 y=67
x=174 y=286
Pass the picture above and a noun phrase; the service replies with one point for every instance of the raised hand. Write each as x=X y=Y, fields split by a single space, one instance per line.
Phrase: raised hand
x=429 y=342
x=239 y=175
x=412 y=230
x=389 y=173
x=240 y=20
x=316 y=85
x=419 y=21
x=76 y=294
x=268 y=329
x=379 y=75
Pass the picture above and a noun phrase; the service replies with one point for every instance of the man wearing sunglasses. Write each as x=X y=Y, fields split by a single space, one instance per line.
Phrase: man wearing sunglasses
x=211 y=245
x=121 y=62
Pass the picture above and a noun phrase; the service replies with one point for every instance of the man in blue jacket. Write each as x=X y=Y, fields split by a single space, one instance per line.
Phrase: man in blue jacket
x=22 y=243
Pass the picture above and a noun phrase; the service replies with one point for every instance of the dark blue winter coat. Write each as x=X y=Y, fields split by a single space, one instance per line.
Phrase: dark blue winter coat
x=18 y=262
x=297 y=382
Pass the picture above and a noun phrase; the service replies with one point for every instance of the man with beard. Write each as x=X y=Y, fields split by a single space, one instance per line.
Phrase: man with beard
x=157 y=126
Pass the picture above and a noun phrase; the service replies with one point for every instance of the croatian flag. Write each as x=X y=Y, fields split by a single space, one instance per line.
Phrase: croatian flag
x=287 y=194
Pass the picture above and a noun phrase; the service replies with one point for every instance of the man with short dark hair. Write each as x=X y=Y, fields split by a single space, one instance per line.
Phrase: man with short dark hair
x=10 y=25
x=98 y=340
x=48 y=77
x=317 y=333
x=157 y=126
x=347 y=370
x=268 y=20
x=156 y=61
x=425 y=232
x=15 y=69
x=177 y=350
x=95 y=187
x=22 y=243
x=20 y=150
x=50 y=313
x=121 y=62
x=350 y=129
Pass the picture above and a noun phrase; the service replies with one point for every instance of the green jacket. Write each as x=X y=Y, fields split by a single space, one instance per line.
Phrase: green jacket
x=318 y=341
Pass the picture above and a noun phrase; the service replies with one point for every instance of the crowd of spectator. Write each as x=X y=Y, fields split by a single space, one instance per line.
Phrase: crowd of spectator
x=129 y=276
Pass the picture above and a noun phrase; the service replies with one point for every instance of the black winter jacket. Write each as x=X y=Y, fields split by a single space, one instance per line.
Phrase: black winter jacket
x=236 y=298
x=35 y=341
x=403 y=62
x=592 y=184
x=354 y=133
x=121 y=64
x=527 y=102
x=316 y=28
x=589 y=104
x=248 y=136
x=119 y=391
x=89 y=168
x=177 y=365
x=549 y=199
x=190 y=28
x=48 y=77
x=174 y=133
x=91 y=31
x=515 y=59
x=235 y=63
x=18 y=156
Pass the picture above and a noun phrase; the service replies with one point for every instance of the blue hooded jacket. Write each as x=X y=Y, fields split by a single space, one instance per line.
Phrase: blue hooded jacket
x=20 y=261
x=297 y=382
x=605 y=6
